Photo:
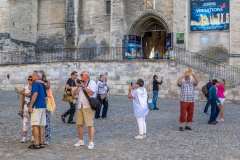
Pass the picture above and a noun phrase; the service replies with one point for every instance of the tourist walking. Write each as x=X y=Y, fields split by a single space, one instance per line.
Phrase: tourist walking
x=155 y=90
x=102 y=97
x=214 y=101
x=187 y=99
x=24 y=102
x=140 y=106
x=208 y=85
x=85 y=114
x=70 y=86
x=221 y=97
x=37 y=108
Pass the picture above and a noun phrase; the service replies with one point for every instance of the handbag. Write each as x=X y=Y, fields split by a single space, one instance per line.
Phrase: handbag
x=103 y=96
x=67 y=96
x=150 y=104
x=94 y=102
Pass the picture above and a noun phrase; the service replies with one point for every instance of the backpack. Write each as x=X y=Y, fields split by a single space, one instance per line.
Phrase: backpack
x=205 y=90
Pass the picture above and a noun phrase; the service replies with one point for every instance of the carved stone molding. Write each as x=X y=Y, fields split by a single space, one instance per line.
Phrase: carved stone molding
x=149 y=4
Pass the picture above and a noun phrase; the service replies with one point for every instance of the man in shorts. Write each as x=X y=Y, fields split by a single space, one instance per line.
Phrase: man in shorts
x=85 y=114
x=37 y=108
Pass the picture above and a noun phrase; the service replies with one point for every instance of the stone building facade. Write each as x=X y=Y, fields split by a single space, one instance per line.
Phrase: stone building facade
x=49 y=24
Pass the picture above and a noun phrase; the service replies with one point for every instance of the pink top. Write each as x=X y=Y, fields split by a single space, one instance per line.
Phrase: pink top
x=220 y=91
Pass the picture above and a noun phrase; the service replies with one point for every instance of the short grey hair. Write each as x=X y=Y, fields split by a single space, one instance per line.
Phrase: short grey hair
x=87 y=73
x=39 y=73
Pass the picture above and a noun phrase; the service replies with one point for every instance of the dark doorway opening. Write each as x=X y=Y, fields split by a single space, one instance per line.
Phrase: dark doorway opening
x=154 y=39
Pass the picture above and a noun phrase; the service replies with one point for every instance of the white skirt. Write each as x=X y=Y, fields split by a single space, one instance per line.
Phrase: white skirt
x=222 y=100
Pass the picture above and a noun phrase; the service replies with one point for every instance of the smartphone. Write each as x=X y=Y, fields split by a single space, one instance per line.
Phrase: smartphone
x=131 y=83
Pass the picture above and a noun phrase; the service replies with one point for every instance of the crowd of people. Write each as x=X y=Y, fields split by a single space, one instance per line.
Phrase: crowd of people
x=37 y=104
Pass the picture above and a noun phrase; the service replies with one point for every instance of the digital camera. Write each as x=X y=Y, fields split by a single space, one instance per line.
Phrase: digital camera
x=79 y=81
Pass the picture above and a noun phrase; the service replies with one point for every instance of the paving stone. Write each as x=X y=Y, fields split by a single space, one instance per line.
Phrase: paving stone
x=114 y=136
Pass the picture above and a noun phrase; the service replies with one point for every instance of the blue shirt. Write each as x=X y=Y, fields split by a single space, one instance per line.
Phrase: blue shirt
x=40 y=100
x=102 y=87
x=213 y=94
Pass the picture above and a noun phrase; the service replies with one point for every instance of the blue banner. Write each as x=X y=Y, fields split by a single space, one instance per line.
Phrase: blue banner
x=132 y=47
x=207 y=15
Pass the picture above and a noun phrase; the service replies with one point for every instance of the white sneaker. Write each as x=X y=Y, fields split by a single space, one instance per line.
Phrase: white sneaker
x=79 y=143
x=91 y=145
x=24 y=140
x=144 y=136
x=139 y=137
x=32 y=139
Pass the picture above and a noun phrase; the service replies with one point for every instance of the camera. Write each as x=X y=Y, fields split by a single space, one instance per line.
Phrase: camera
x=79 y=81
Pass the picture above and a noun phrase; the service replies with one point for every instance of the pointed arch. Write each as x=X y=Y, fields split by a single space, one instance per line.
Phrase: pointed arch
x=142 y=23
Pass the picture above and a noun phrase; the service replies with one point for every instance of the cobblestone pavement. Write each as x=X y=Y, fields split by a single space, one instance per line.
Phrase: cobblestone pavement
x=114 y=136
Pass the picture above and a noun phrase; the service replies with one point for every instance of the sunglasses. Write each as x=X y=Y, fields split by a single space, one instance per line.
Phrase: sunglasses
x=29 y=79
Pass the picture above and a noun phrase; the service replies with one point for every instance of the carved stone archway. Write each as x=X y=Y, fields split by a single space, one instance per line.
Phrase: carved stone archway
x=142 y=23
x=143 y=27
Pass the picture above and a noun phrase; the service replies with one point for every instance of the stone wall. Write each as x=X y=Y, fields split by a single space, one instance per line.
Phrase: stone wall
x=4 y=25
x=23 y=24
x=51 y=24
x=94 y=24
x=119 y=74
x=234 y=25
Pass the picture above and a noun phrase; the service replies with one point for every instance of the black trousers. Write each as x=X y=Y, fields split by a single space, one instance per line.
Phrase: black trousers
x=70 y=112
x=104 y=102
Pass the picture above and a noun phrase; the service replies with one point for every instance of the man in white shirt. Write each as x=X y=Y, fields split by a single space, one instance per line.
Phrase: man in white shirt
x=85 y=114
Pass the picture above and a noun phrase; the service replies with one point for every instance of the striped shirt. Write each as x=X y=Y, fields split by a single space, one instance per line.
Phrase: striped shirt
x=187 y=92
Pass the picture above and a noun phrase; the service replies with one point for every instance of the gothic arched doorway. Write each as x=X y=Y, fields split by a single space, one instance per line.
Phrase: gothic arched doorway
x=153 y=29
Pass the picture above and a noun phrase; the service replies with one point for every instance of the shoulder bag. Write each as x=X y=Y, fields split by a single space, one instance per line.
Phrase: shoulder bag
x=94 y=102
x=68 y=97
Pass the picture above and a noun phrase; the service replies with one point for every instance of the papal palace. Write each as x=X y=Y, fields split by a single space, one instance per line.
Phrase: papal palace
x=50 y=24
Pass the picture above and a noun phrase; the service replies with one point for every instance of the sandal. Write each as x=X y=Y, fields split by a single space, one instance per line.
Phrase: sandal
x=181 y=129
x=188 y=128
x=33 y=146
x=41 y=145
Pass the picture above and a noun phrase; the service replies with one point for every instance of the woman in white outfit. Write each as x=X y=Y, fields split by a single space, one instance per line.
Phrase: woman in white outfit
x=140 y=106
x=26 y=92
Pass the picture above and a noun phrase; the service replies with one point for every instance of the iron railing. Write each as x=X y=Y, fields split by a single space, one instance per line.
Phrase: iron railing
x=182 y=56
x=205 y=64
x=76 y=55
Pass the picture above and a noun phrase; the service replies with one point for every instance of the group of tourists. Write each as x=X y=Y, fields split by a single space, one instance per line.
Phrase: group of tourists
x=215 y=97
x=213 y=91
x=37 y=104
